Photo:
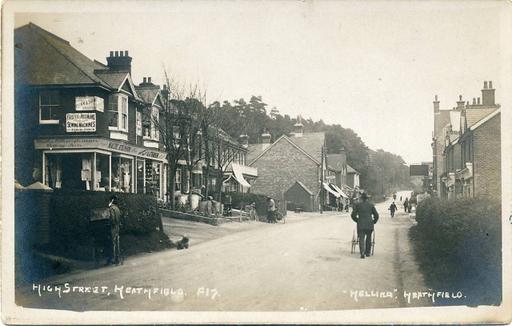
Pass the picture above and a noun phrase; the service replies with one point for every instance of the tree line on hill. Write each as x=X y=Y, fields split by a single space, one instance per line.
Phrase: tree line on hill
x=381 y=172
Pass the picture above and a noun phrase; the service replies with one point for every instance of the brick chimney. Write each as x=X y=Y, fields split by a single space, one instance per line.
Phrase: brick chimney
x=119 y=61
x=298 y=128
x=488 y=94
x=265 y=139
x=436 y=104
x=244 y=140
x=460 y=103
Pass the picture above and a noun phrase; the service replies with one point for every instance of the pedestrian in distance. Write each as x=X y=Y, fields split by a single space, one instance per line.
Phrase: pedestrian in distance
x=406 y=204
x=115 y=226
x=400 y=198
x=365 y=215
x=392 y=208
x=347 y=204
x=271 y=210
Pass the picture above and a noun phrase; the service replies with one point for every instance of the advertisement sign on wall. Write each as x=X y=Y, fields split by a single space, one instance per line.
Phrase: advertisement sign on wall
x=80 y=122
x=89 y=103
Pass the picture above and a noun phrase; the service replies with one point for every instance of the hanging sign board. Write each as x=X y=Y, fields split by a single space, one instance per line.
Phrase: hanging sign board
x=89 y=103
x=80 y=122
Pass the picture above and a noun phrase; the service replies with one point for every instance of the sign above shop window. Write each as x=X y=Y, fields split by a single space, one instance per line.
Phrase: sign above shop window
x=80 y=122
x=89 y=103
x=98 y=143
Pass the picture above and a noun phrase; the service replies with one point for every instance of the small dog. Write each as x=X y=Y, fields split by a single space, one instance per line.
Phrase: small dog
x=183 y=243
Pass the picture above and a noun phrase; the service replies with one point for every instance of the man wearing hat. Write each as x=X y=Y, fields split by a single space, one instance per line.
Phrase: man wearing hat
x=365 y=215
x=115 y=224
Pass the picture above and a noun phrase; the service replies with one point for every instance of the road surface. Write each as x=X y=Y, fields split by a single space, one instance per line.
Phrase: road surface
x=304 y=264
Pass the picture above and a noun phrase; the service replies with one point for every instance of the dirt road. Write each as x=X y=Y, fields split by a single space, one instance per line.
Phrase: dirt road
x=304 y=264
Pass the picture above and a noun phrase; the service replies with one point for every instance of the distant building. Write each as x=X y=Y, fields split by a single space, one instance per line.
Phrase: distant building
x=293 y=168
x=467 y=147
x=352 y=178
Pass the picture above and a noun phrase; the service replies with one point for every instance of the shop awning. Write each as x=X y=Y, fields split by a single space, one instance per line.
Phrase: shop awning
x=239 y=176
x=338 y=190
x=330 y=190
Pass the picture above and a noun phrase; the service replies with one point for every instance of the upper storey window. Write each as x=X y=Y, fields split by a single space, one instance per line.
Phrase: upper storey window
x=118 y=110
x=49 y=107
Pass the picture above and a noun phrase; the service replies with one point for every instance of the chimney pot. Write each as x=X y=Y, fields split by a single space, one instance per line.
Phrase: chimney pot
x=460 y=97
x=149 y=80
x=435 y=97
x=111 y=53
x=144 y=80
x=490 y=84
x=474 y=101
x=117 y=53
x=485 y=84
x=126 y=53
x=478 y=101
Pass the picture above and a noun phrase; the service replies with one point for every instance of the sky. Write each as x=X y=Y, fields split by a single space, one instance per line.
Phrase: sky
x=370 y=66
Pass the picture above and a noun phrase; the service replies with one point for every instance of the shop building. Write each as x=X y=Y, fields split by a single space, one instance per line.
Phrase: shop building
x=79 y=123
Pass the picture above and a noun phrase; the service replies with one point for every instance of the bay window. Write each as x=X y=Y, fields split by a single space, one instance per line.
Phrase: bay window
x=118 y=110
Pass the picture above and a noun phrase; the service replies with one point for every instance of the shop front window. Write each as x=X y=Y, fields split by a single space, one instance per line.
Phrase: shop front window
x=102 y=172
x=153 y=176
x=121 y=174
x=140 y=177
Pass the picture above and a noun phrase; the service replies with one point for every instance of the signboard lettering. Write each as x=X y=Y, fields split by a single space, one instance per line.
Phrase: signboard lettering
x=98 y=143
x=80 y=122
x=89 y=103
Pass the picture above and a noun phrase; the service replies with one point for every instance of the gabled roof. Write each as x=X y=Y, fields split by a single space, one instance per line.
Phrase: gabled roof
x=303 y=186
x=336 y=161
x=150 y=95
x=475 y=115
x=311 y=143
x=287 y=139
x=485 y=119
x=43 y=58
x=351 y=170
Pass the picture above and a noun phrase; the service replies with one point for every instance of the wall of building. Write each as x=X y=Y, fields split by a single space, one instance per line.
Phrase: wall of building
x=280 y=167
x=487 y=158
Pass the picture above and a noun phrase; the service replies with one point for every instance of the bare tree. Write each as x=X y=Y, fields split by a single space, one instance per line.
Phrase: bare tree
x=172 y=124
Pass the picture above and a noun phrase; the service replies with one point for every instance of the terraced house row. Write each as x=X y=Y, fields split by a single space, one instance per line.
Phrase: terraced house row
x=467 y=147
x=85 y=125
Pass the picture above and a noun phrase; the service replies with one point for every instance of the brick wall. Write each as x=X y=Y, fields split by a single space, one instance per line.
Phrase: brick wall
x=280 y=167
x=487 y=158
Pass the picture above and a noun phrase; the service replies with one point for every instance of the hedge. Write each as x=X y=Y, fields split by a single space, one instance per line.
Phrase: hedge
x=458 y=245
x=70 y=228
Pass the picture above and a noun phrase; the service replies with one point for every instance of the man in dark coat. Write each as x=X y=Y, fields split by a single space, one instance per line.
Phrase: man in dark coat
x=115 y=225
x=365 y=215
x=393 y=209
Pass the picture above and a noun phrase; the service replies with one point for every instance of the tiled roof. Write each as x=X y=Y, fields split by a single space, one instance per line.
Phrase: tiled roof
x=336 y=161
x=475 y=115
x=147 y=94
x=253 y=151
x=311 y=143
x=113 y=79
x=45 y=59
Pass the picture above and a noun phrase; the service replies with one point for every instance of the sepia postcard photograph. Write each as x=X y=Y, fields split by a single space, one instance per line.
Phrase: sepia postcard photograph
x=256 y=162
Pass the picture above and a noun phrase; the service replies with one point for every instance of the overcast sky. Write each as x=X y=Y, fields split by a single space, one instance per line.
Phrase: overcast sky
x=373 y=67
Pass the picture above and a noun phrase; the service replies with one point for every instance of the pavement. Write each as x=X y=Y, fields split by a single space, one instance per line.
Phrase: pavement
x=304 y=264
